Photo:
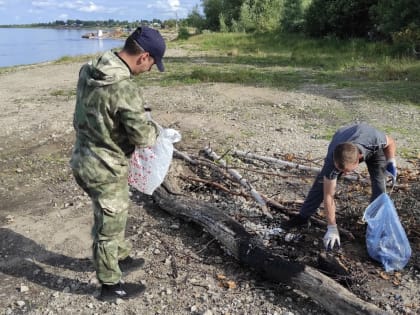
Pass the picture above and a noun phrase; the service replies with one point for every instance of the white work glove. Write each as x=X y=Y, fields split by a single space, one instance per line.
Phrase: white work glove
x=391 y=169
x=331 y=237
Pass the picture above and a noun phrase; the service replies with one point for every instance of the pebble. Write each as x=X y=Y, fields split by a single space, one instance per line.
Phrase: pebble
x=175 y=226
x=23 y=288
x=119 y=301
x=193 y=308
x=289 y=237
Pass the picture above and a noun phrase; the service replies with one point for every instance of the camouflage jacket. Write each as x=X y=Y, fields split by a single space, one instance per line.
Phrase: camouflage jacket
x=109 y=121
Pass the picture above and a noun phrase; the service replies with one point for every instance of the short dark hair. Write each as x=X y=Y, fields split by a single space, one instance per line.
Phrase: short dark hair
x=344 y=154
x=132 y=47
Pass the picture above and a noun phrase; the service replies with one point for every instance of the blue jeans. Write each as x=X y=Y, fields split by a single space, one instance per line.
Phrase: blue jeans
x=376 y=167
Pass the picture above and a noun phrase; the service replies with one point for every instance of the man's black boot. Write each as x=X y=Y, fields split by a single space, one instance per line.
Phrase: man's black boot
x=112 y=292
x=129 y=264
x=295 y=221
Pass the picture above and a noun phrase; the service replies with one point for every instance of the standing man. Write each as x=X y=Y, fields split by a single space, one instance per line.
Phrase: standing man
x=110 y=121
x=350 y=145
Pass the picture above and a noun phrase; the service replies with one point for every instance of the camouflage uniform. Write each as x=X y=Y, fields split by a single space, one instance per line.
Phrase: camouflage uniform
x=110 y=121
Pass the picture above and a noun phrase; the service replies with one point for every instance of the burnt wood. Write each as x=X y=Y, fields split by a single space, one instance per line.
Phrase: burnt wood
x=249 y=250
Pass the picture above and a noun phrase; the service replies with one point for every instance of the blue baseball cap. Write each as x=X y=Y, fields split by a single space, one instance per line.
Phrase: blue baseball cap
x=151 y=41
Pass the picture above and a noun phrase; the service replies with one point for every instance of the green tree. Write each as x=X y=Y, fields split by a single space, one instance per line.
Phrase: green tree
x=342 y=18
x=195 y=19
x=214 y=8
x=222 y=22
x=399 y=21
x=171 y=23
x=396 y=15
x=292 y=17
x=261 y=15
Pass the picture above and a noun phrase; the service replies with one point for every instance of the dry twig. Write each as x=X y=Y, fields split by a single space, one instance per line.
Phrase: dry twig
x=242 y=181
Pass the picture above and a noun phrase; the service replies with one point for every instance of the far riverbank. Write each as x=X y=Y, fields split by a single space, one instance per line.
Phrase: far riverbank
x=48 y=44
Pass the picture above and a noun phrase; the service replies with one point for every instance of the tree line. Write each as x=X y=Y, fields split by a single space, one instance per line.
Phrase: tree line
x=110 y=23
x=396 y=21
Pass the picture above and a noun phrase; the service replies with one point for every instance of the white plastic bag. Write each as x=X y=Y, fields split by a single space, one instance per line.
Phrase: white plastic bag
x=149 y=166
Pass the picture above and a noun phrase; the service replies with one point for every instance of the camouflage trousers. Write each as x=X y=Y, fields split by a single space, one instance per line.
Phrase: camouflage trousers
x=110 y=208
x=109 y=243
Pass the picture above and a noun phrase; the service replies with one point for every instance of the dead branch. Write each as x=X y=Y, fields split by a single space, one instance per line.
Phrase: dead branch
x=204 y=162
x=275 y=161
x=184 y=157
x=216 y=185
x=291 y=164
x=264 y=173
x=242 y=181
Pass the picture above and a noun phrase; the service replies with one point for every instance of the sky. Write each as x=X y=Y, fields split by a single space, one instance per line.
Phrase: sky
x=43 y=11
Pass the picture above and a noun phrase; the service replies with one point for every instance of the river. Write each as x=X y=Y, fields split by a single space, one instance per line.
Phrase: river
x=22 y=46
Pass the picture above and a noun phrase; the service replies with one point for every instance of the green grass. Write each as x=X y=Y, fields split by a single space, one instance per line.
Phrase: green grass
x=69 y=59
x=290 y=61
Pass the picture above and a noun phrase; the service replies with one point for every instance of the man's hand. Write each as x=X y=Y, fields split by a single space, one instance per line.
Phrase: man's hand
x=331 y=237
x=391 y=169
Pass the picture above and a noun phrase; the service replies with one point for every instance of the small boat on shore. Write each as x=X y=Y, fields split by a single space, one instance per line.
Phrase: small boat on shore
x=114 y=34
x=90 y=35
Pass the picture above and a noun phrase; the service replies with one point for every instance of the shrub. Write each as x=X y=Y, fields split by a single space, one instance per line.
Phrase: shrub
x=183 y=33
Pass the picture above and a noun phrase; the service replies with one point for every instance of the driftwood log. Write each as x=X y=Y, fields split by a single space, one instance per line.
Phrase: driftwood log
x=249 y=250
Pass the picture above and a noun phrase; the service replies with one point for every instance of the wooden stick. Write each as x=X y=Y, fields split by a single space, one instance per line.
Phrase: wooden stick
x=261 y=202
x=216 y=185
x=184 y=156
x=291 y=164
x=275 y=161
x=204 y=162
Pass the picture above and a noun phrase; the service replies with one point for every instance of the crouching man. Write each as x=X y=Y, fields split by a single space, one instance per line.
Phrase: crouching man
x=349 y=146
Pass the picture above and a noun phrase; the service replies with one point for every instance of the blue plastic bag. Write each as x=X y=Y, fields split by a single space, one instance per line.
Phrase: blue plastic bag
x=386 y=240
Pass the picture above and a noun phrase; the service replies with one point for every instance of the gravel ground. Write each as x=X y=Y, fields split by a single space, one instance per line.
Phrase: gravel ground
x=45 y=218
